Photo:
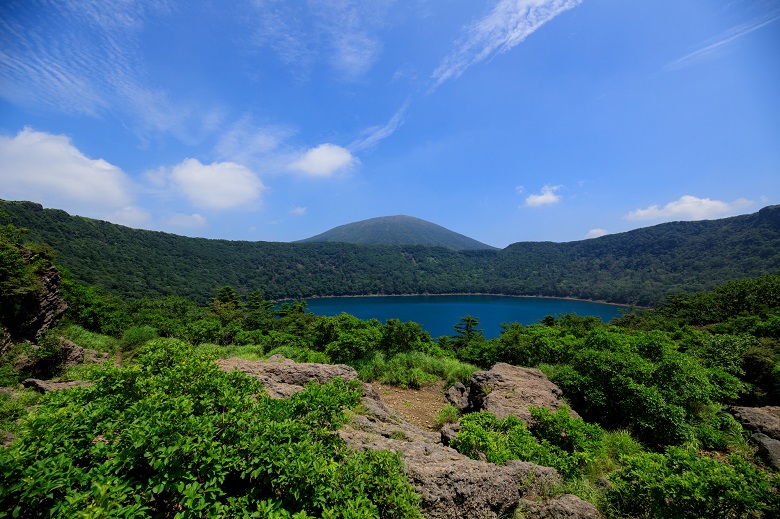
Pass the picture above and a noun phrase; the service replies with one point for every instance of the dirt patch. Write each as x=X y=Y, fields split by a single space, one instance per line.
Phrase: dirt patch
x=419 y=407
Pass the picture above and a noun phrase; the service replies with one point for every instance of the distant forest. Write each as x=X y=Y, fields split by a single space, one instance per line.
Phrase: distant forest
x=639 y=267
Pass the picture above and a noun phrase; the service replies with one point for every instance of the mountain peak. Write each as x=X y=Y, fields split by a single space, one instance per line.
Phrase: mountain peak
x=398 y=230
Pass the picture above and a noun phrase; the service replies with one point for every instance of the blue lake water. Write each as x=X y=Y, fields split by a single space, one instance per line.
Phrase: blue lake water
x=438 y=314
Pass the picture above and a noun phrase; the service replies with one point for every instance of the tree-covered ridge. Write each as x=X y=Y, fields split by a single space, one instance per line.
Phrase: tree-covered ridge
x=398 y=230
x=638 y=267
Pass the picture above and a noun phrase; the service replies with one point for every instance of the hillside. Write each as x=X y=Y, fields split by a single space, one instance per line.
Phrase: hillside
x=637 y=267
x=398 y=230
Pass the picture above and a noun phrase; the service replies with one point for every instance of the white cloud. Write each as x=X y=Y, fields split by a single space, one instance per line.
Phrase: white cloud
x=724 y=39
x=220 y=185
x=48 y=169
x=520 y=190
x=186 y=220
x=130 y=216
x=298 y=211
x=324 y=160
x=546 y=197
x=595 y=233
x=690 y=208
x=507 y=25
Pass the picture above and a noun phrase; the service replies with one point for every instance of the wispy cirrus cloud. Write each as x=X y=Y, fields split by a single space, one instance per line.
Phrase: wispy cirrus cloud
x=84 y=58
x=689 y=207
x=508 y=24
x=724 y=39
x=374 y=134
x=342 y=33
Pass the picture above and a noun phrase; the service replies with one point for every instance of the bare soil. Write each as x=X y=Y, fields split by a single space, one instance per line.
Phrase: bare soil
x=419 y=407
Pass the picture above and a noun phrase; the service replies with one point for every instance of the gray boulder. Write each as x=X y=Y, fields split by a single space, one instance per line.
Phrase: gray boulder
x=765 y=420
x=567 y=506
x=509 y=390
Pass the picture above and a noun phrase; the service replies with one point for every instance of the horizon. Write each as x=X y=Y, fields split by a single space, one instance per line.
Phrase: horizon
x=505 y=120
x=395 y=216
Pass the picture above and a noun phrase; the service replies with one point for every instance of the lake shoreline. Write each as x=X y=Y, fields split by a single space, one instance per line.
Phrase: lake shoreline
x=468 y=294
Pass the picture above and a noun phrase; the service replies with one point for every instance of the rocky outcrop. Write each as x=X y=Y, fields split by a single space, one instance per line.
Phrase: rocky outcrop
x=451 y=485
x=507 y=390
x=565 y=507
x=45 y=310
x=44 y=386
x=69 y=354
x=764 y=422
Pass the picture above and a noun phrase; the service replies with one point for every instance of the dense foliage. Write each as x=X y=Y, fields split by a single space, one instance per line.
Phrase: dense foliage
x=638 y=267
x=173 y=435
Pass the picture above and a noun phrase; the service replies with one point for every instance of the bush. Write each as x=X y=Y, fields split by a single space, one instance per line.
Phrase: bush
x=682 y=483
x=175 y=433
x=562 y=442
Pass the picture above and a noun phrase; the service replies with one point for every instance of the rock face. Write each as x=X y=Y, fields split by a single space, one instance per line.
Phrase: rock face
x=46 y=310
x=765 y=424
x=452 y=486
x=507 y=390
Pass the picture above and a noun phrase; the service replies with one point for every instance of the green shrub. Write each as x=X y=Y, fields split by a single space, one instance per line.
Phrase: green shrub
x=173 y=432
x=682 y=483
x=482 y=434
x=14 y=405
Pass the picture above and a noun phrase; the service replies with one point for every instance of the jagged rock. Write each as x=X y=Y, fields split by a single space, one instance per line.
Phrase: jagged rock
x=45 y=311
x=70 y=354
x=453 y=486
x=448 y=433
x=44 y=386
x=567 y=506
x=765 y=420
x=509 y=390
x=282 y=377
x=458 y=395
x=768 y=449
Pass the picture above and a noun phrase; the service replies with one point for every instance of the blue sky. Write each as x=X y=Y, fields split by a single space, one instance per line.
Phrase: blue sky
x=505 y=120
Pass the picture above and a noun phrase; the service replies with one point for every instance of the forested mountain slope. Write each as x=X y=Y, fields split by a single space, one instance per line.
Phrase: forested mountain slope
x=398 y=230
x=636 y=267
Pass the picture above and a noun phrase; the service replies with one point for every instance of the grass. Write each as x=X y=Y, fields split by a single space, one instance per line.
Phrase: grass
x=90 y=340
x=414 y=369
x=449 y=414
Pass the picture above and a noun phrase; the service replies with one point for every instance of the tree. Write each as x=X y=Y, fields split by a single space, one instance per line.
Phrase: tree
x=467 y=332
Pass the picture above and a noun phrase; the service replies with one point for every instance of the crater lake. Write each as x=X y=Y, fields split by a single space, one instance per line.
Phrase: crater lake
x=438 y=314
